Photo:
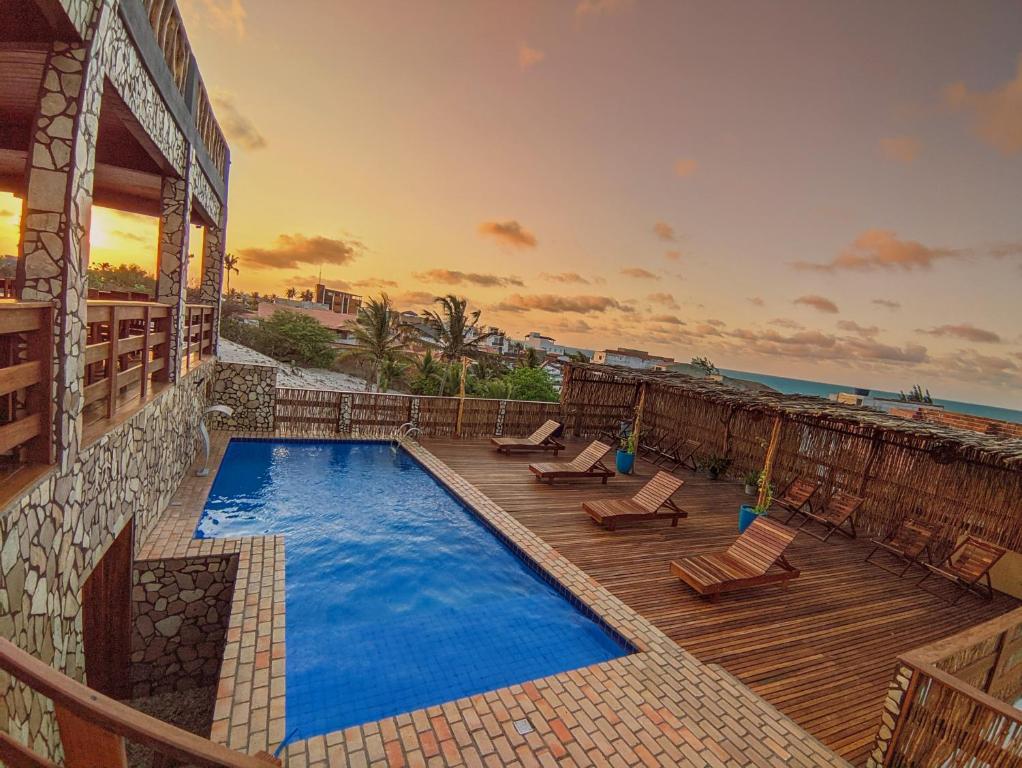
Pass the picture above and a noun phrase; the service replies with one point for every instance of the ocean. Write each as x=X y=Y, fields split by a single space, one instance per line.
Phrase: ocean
x=820 y=389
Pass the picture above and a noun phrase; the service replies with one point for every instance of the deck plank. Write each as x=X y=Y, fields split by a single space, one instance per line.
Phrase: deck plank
x=822 y=652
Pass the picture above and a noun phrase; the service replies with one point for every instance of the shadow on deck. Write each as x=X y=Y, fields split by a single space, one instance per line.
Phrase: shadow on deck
x=823 y=652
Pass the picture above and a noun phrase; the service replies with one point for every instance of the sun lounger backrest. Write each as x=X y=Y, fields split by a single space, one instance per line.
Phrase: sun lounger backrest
x=541 y=434
x=842 y=505
x=762 y=543
x=911 y=538
x=657 y=491
x=799 y=492
x=974 y=557
x=588 y=458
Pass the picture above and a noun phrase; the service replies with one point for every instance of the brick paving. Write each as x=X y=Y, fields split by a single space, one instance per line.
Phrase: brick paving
x=659 y=706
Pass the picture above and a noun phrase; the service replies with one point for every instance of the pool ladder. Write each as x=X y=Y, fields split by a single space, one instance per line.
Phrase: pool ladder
x=399 y=435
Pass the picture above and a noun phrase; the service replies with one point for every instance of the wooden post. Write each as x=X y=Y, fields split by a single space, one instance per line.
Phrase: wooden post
x=875 y=449
x=113 y=360
x=768 y=463
x=461 y=396
x=145 y=352
x=638 y=414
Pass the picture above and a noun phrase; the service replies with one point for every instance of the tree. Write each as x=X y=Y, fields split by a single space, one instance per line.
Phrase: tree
x=704 y=364
x=530 y=384
x=380 y=337
x=294 y=337
x=124 y=277
x=291 y=292
x=230 y=265
x=428 y=375
x=532 y=358
x=307 y=295
x=455 y=328
x=578 y=357
x=489 y=367
x=917 y=395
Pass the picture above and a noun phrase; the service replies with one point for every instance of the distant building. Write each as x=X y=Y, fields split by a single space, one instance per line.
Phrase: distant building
x=630 y=358
x=548 y=345
x=338 y=301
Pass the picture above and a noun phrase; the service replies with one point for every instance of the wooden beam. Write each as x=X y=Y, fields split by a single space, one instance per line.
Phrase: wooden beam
x=15 y=377
x=20 y=432
x=768 y=463
x=14 y=754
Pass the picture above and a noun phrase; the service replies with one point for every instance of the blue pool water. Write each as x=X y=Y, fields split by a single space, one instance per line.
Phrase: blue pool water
x=397 y=596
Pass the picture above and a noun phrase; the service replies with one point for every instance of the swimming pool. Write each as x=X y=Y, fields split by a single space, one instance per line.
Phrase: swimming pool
x=397 y=596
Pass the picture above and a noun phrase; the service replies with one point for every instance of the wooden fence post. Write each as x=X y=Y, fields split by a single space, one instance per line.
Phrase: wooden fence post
x=768 y=463
x=638 y=414
x=461 y=396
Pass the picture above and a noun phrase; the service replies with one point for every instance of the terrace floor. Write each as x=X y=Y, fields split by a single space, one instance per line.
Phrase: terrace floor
x=822 y=652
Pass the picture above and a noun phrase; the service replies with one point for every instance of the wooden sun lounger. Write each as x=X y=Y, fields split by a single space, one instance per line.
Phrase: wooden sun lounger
x=968 y=564
x=681 y=454
x=909 y=542
x=589 y=463
x=652 y=502
x=540 y=440
x=798 y=493
x=837 y=512
x=746 y=563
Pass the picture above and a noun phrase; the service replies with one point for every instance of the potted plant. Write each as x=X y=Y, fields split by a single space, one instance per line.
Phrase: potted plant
x=747 y=513
x=717 y=466
x=751 y=482
x=625 y=459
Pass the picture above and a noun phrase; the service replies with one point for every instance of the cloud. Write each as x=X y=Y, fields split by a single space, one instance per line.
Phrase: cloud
x=817 y=345
x=291 y=251
x=881 y=249
x=510 y=233
x=123 y=234
x=238 y=128
x=887 y=304
x=902 y=149
x=529 y=57
x=866 y=331
x=685 y=167
x=971 y=366
x=547 y=302
x=672 y=255
x=819 y=303
x=454 y=277
x=408 y=299
x=664 y=299
x=5 y=213
x=640 y=273
x=664 y=231
x=1006 y=250
x=668 y=319
x=565 y=277
x=756 y=301
x=965 y=331
x=996 y=114
x=220 y=14
x=716 y=323
x=601 y=7
x=784 y=322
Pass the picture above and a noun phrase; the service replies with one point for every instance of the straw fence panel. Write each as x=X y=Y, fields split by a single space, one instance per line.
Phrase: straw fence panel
x=521 y=417
x=957 y=481
x=438 y=416
x=307 y=411
x=378 y=414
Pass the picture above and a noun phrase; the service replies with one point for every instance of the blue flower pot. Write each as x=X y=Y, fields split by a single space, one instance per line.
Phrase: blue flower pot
x=625 y=462
x=746 y=516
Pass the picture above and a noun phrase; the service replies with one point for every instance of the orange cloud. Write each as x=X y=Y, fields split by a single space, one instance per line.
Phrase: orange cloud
x=881 y=249
x=413 y=299
x=819 y=303
x=510 y=233
x=785 y=322
x=664 y=231
x=640 y=273
x=823 y=346
x=902 y=149
x=887 y=303
x=565 y=277
x=601 y=7
x=672 y=255
x=454 y=277
x=866 y=331
x=668 y=319
x=664 y=299
x=996 y=114
x=965 y=331
x=685 y=167
x=529 y=57
x=552 y=303
x=237 y=127
x=220 y=14
x=756 y=301
x=291 y=251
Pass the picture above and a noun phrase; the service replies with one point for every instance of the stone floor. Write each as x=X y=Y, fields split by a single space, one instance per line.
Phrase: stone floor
x=658 y=706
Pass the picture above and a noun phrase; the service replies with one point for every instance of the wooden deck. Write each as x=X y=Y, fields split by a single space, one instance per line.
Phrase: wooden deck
x=822 y=652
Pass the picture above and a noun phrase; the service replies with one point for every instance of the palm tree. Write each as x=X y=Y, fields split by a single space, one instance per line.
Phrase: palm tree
x=291 y=292
x=230 y=265
x=428 y=374
x=307 y=295
x=455 y=328
x=531 y=359
x=380 y=337
x=488 y=367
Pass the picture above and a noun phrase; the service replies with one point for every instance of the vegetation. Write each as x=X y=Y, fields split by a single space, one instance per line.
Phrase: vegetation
x=916 y=395
x=704 y=364
x=230 y=265
x=455 y=328
x=381 y=340
x=124 y=277
x=287 y=336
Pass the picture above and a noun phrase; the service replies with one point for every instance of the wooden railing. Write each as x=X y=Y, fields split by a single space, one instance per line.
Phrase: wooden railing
x=126 y=351
x=93 y=727
x=378 y=414
x=952 y=701
x=25 y=332
x=198 y=335
x=209 y=130
x=169 y=30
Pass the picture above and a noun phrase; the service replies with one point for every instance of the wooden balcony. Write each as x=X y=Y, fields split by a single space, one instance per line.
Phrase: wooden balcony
x=24 y=385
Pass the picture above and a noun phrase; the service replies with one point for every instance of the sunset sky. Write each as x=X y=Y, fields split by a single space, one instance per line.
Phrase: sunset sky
x=824 y=190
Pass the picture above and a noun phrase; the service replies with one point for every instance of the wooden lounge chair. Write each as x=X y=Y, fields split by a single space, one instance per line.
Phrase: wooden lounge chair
x=652 y=502
x=909 y=543
x=798 y=493
x=540 y=440
x=968 y=564
x=837 y=512
x=589 y=463
x=681 y=454
x=746 y=563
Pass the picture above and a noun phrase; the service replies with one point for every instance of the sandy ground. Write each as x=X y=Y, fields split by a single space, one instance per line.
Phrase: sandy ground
x=191 y=710
x=293 y=377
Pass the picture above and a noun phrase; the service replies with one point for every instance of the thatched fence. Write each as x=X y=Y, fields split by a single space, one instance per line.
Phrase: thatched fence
x=957 y=480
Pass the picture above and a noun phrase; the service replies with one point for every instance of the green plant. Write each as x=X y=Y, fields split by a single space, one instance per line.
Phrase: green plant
x=628 y=443
x=752 y=477
x=455 y=329
x=531 y=384
x=706 y=365
x=380 y=337
x=717 y=465
x=296 y=338
x=766 y=494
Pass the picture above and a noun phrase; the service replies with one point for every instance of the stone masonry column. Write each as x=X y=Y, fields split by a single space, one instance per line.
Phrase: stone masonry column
x=54 y=252
x=172 y=265
x=211 y=290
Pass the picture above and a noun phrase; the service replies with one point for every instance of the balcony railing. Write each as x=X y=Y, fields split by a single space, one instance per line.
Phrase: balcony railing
x=198 y=335
x=24 y=382
x=209 y=130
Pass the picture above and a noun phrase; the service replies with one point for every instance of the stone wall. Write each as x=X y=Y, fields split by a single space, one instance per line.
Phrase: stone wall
x=251 y=390
x=181 y=609
x=50 y=545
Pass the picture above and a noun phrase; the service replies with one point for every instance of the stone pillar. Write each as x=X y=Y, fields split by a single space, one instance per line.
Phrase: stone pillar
x=211 y=291
x=53 y=254
x=172 y=266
